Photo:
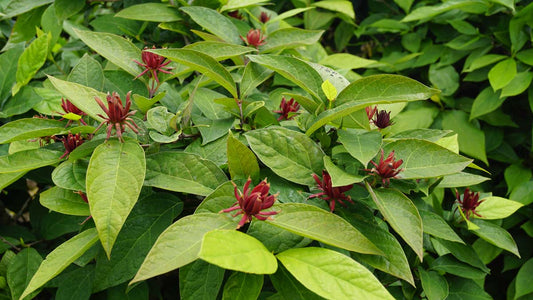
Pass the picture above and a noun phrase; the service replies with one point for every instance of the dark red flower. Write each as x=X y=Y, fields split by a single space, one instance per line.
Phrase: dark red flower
x=331 y=193
x=469 y=203
x=386 y=169
x=371 y=111
x=264 y=17
x=287 y=107
x=254 y=38
x=68 y=107
x=153 y=63
x=382 y=119
x=251 y=203
x=235 y=14
x=83 y=196
x=118 y=117
x=70 y=142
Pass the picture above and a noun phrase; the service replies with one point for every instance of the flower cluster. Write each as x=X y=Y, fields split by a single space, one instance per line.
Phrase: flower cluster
x=331 y=193
x=70 y=142
x=254 y=38
x=251 y=203
x=287 y=107
x=469 y=202
x=118 y=116
x=70 y=108
x=387 y=168
x=153 y=63
x=380 y=118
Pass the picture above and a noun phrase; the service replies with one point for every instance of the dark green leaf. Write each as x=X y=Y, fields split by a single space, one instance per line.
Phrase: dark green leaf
x=76 y=285
x=436 y=226
x=471 y=139
x=67 y=8
x=21 y=269
x=242 y=286
x=434 y=285
x=450 y=265
x=153 y=12
x=219 y=50
x=361 y=144
x=88 y=72
x=495 y=235
x=287 y=38
x=31 y=60
x=461 y=288
x=523 y=279
x=242 y=162
x=200 y=280
x=214 y=22
x=17 y=7
x=24 y=129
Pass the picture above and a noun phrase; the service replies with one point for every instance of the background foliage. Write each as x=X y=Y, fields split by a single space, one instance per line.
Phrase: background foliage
x=454 y=77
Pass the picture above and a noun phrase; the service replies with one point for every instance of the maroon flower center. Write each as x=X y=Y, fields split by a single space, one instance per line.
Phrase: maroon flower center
x=329 y=192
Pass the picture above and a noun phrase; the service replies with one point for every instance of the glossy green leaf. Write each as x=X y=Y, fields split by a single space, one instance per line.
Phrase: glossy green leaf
x=60 y=258
x=518 y=85
x=502 y=73
x=497 y=208
x=318 y=224
x=64 y=201
x=361 y=144
x=423 y=159
x=484 y=61
x=152 y=12
x=254 y=74
x=214 y=22
x=369 y=91
x=237 y=4
x=242 y=286
x=341 y=6
x=219 y=50
x=523 y=193
x=339 y=177
x=274 y=238
x=17 y=7
x=202 y=63
x=523 y=279
x=471 y=139
x=434 y=285
x=71 y=175
x=294 y=70
x=81 y=96
x=24 y=129
x=289 y=288
x=31 y=60
x=435 y=225
x=114 y=179
x=461 y=179
x=28 y=160
x=401 y=214
x=450 y=265
x=495 y=235
x=67 y=8
x=180 y=244
x=183 y=172
x=461 y=288
x=8 y=178
x=526 y=56
x=290 y=154
x=234 y=250
x=487 y=101
x=152 y=214
x=88 y=72
x=332 y=275
x=427 y=12
x=462 y=252
x=200 y=280
x=516 y=174
x=76 y=285
x=21 y=269
x=8 y=61
x=241 y=160
x=114 y=48
x=287 y=38
x=346 y=61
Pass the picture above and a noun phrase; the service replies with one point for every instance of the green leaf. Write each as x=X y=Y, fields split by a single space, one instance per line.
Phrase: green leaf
x=21 y=269
x=8 y=61
x=274 y=238
x=329 y=90
x=64 y=201
x=462 y=252
x=360 y=143
x=401 y=214
x=81 y=96
x=31 y=60
x=289 y=288
x=183 y=172
x=17 y=7
x=436 y=226
x=290 y=154
x=221 y=198
x=497 y=208
x=180 y=244
x=114 y=48
x=60 y=258
x=487 y=101
x=523 y=193
x=450 y=265
x=76 y=285
x=202 y=63
x=236 y=4
x=523 y=279
x=434 y=285
x=242 y=286
x=339 y=177
x=369 y=91
x=67 y=8
x=71 y=175
x=152 y=12
x=8 y=178
x=234 y=250
x=287 y=38
x=332 y=275
x=471 y=139
x=254 y=74
x=461 y=288
x=444 y=78
x=526 y=56
x=114 y=179
x=27 y=160
x=461 y=179
x=24 y=129
x=518 y=85
x=241 y=160
x=484 y=61
x=144 y=104
x=424 y=159
x=502 y=73
x=495 y=235
x=346 y=61
x=200 y=280
x=214 y=22
x=152 y=214
x=219 y=50
x=317 y=224
x=515 y=175
x=428 y=12
x=88 y=72
x=341 y=6
x=294 y=70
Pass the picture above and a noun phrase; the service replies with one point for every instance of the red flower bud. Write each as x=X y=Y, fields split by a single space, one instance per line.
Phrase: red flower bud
x=330 y=193
x=254 y=38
